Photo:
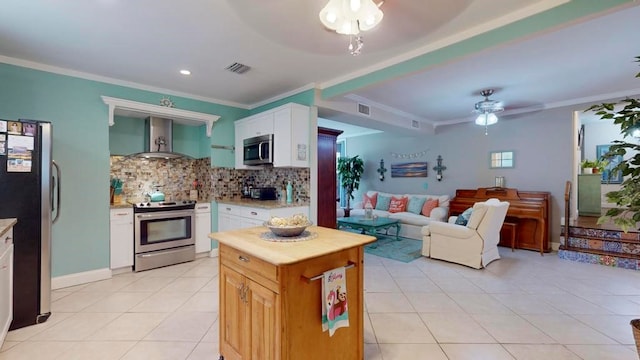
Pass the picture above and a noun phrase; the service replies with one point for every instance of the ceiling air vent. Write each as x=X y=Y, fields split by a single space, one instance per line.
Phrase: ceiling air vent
x=238 y=68
x=415 y=124
x=364 y=109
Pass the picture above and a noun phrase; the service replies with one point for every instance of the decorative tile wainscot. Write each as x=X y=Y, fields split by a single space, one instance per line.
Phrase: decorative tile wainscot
x=599 y=246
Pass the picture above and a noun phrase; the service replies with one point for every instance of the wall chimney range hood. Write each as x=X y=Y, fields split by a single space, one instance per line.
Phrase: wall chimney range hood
x=160 y=126
x=158 y=140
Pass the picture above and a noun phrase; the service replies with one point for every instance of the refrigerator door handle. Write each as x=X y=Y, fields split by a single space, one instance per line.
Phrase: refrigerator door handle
x=56 y=184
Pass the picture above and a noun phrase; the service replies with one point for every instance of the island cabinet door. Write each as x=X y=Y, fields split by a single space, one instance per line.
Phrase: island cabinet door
x=265 y=337
x=234 y=329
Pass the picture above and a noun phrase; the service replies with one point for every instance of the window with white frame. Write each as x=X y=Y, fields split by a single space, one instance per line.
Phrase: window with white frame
x=501 y=159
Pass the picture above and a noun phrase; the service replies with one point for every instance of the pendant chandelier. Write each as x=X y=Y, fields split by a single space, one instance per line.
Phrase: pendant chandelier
x=487 y=110
x=350 y=17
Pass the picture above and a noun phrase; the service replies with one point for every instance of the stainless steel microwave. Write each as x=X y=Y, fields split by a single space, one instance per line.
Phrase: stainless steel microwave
x=258 y=150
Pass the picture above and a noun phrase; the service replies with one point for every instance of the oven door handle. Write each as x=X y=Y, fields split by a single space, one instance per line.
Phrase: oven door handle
x=166 y=214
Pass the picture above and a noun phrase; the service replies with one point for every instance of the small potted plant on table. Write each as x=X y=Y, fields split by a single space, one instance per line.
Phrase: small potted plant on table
x=587 y=166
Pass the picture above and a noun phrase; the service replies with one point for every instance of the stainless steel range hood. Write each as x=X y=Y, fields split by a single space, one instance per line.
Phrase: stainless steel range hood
x=158 y=139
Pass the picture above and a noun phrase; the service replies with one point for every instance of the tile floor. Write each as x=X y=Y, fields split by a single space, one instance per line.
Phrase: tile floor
x=523 y=306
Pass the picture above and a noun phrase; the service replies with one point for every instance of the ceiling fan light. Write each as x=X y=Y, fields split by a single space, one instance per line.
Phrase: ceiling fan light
x=486 y=119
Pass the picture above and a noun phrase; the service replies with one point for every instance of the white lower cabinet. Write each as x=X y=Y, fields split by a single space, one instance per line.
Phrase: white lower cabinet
x=203 y=227
x=121 y=238
x=232 y=217
x=6 y=283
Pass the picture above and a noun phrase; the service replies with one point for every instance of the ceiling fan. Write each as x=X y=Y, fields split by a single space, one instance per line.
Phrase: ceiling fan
x=487 y=109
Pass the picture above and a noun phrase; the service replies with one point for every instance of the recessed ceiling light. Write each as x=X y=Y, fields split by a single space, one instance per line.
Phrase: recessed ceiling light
x=185 y=72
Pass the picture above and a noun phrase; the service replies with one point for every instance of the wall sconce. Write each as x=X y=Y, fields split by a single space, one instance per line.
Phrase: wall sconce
x=439 y=168
x=381 y=170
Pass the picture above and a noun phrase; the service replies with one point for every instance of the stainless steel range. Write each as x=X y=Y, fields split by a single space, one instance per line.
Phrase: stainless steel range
x=164 y=233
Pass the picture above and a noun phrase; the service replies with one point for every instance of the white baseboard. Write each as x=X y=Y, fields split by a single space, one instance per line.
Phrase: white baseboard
x=213 y=253
x=122 y=270
x=555 y=246
x=64 y=281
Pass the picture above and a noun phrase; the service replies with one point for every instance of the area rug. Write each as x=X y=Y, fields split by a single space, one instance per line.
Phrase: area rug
x=404 y=249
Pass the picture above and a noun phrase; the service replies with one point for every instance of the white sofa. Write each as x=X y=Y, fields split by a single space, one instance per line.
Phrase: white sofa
x=410 y=224
x=474 y=244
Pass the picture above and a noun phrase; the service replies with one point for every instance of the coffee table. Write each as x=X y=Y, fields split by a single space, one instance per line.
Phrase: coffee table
x=370 y=226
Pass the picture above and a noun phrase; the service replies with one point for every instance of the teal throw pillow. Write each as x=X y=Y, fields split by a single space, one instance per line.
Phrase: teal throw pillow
x=415 y=204
x=383 y=202
x=463 y=218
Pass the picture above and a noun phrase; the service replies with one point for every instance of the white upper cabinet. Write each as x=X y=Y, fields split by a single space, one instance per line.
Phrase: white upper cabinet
x=291 y=136
x=257 y=125
x=241 y=132
x=289 y=125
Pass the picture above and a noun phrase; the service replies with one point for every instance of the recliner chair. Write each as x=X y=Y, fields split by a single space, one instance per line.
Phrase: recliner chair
x=474 y=244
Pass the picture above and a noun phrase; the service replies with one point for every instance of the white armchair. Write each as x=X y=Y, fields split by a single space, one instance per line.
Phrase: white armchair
x=475 y=244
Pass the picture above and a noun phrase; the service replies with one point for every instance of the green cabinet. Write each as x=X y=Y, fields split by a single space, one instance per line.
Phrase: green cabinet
x=589 y=195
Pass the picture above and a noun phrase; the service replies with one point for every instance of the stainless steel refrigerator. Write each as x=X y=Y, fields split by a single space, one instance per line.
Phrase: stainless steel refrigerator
x=29 y=192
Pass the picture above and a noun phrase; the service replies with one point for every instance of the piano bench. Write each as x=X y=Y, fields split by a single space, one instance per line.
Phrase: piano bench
x=511 y=228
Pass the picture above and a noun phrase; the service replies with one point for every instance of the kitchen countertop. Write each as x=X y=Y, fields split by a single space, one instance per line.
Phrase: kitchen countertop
x=120 y=206
x=264 y=204
x=127 y=205
x=281 y=253
x=6 y=224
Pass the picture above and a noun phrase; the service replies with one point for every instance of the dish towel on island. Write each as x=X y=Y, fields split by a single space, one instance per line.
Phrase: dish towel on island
x=334 y=300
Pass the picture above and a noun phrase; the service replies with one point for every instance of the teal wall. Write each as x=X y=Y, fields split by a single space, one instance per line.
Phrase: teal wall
x=81 y=147
x=126 y=136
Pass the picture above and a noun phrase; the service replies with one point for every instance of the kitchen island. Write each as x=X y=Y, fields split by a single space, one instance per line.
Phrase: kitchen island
x=270 y=295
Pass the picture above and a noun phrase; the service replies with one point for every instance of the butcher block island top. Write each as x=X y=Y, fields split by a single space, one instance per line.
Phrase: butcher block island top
x=327 y=241
x=6 y=224
x=271 y=296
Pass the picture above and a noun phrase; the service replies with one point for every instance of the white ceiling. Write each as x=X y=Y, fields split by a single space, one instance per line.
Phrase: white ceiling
x=144 y=43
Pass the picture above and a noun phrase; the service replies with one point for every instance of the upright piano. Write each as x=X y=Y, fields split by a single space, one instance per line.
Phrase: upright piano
x=529 y=212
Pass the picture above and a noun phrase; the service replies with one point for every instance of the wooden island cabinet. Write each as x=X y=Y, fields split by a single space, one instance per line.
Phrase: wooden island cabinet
x=270 y=295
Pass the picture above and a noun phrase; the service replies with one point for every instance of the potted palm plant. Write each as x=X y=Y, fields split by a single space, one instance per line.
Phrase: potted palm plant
x=625 y=114
x=350 y=171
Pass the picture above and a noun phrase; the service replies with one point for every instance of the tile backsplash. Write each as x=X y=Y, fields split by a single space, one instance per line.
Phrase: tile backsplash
x=229 y=182
x=176 y=178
